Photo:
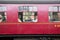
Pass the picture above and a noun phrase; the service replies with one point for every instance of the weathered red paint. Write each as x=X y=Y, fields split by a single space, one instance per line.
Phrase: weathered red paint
x=43 y=26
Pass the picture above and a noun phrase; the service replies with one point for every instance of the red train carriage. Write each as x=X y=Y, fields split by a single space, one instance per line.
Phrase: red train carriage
x=38 y=20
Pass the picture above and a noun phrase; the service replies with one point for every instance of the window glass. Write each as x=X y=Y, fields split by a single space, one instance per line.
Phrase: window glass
x=29 y=14
x=53 y=8
x=2 y=8
x=30 y=8
x=26 y=8
x=54 y=14
x=20 y=8
x=34 y=8
x=2 y=16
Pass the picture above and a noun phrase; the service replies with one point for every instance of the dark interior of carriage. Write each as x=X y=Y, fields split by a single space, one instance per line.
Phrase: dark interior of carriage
x=2 y=17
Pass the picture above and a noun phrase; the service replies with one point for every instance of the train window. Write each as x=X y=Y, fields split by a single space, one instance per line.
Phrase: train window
x=54 y=14
x=2 y=16
x=28 y=14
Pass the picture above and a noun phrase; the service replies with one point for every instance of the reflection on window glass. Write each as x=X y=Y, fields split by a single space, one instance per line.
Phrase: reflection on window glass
x=27 y=14
x=27 y=8
x=53 y=8
x=54 y=14
x=2 y=17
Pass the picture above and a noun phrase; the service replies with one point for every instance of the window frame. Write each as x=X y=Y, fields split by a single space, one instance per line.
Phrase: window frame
x=58 y=11
x=28 y=12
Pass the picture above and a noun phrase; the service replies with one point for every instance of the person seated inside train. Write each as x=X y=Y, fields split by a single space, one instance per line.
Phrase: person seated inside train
x=32 y=19
x=2 y=18
x=55 y=17
x=19 y=20
x=29 y=19
x=35 y=19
